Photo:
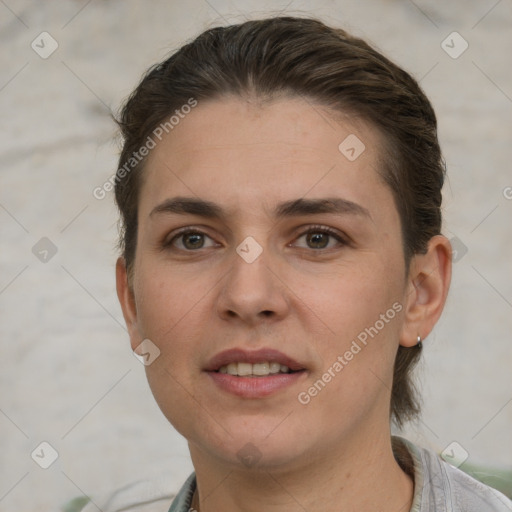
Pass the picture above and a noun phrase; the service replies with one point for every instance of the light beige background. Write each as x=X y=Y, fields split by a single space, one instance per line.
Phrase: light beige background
x=67 y=374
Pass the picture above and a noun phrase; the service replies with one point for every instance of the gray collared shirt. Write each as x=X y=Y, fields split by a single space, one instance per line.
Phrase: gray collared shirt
x=438 y=487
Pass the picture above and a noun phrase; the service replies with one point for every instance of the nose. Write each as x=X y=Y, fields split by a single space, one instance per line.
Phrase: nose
x=252 y=292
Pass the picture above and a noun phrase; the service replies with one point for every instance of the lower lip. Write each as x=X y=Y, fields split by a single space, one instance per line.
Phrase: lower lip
x=255 y=387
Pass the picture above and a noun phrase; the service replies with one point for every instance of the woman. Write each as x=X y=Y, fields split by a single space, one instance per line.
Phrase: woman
x=280 y=194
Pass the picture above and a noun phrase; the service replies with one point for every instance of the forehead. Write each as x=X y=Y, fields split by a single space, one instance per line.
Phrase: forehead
x=251 y=154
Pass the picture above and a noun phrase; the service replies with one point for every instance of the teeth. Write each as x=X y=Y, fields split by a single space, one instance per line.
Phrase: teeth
x=260 y=368
x=254 y=370
x=232 y=369
x=244 y=369
x=275 y=367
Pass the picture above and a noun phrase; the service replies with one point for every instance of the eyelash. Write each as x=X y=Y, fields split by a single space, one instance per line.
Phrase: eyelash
x=312 y=229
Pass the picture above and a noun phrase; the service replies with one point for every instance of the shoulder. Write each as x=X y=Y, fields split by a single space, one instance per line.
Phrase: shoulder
x=442 y=487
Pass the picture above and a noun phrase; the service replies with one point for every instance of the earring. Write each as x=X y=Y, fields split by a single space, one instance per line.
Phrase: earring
x=419 y=344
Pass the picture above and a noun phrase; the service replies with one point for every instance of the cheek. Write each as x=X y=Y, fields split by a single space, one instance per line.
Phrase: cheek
x=171 y=391
x=171 y=314
x=360 y=309
x=166 y=300
x=362 y=315
x=169 y=308
x=352 y=298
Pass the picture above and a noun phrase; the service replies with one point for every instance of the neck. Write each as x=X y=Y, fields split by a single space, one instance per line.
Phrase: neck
x=357 y=476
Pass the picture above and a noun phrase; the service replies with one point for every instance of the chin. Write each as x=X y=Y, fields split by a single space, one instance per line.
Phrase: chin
x=253 y=443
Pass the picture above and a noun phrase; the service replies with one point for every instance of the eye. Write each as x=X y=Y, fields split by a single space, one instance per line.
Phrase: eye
x=320 y=237
x=190 y=240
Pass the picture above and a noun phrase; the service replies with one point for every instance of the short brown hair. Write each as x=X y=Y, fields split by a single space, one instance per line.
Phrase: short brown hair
x=302 y=57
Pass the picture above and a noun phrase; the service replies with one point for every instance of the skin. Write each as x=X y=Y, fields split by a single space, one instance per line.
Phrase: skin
x=305 y=301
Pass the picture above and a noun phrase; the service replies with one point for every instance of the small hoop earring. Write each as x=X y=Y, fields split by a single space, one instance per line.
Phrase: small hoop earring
x=419 y=344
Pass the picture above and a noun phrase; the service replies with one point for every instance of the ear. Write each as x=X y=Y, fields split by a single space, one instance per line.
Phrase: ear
x=428 y=284
x=127 y=301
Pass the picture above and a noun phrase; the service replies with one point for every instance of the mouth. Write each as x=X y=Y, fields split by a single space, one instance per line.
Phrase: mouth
x=254 y=374
x=256 y=363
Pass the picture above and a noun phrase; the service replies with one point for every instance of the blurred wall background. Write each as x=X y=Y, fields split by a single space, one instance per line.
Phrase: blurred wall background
x=67 y=375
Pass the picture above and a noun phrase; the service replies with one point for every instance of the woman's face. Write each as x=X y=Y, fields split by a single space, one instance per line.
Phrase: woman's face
x=292 y=255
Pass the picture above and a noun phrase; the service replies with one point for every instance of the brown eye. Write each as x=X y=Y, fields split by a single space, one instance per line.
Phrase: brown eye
x=317 y=240
x=190 y=240
x=193 y=240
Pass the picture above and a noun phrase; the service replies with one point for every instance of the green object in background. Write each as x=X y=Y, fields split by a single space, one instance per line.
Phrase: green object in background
x=500 y=479
x=76 y=504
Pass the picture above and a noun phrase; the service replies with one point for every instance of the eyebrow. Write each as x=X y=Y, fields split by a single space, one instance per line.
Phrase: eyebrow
x=296 y=207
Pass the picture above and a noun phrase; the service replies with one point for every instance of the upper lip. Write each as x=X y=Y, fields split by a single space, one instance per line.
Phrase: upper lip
x=239 y=355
